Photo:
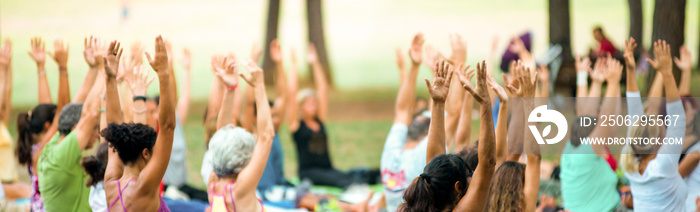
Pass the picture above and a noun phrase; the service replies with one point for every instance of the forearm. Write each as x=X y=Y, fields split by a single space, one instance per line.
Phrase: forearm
x=113 y=107
x=264 y=116
x=183 y=104
x=532 y=168
x=486 y=136
x=4 y=105
x=166 y=115
x=127 y=103
x=8 y=96
x=436 y=132
x=684 y=87
x=87 y=84
x=322 y=89
x=63 y=88
x=631 y=80
x=672 y=93
x=465 y=123
x=214 y=103
x=502 y=133
x=249 y=109
x=657 y=85
x=44 y=91
x=406 y=98
x=226 y=111
x=237 y=103
x=453 y=107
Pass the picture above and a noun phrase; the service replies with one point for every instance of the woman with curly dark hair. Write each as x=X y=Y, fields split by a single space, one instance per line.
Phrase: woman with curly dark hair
x=138 y=154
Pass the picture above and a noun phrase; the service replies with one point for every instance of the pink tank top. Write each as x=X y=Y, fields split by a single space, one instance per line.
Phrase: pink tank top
x=162 y=208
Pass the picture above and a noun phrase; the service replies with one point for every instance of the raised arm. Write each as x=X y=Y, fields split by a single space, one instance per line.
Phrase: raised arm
x=89 y=123
x=455 y=98
x=610 y=105
x=293 y=85
x=631 y=84
x=465 y=119
x=183 y=104
x=400 y=64
x=5 y=78
x=215 y=94
x=38 y=54
x=250 y=176
x=320 y=81
x=111 y=60
x=153 y=173
x=438 y=92
x=502 y=124
x=280 y=84
x=597 y=74
x=532 y=169
x=685 y=63
x=583 y=67
x=60 y=55
x=227 y=73
x=93 y=57
x=663 y=63
x=475 y=199
x=403 y=109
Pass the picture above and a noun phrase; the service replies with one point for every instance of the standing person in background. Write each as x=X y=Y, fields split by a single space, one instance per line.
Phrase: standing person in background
x=605 y=46
x=310 y=136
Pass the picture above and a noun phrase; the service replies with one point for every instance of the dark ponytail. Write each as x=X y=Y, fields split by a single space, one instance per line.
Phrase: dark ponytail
x=24 y=139
x=29 y=124
x=433 y=190
x=95 y=165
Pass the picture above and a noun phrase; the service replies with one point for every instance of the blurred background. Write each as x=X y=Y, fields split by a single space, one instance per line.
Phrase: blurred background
x=359 y=37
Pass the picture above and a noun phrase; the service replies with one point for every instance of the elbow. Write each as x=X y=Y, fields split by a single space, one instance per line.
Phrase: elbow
x=168 y=123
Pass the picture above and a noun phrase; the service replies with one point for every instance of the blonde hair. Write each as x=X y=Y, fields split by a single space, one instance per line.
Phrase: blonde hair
x=631 y=152
x=305 y=93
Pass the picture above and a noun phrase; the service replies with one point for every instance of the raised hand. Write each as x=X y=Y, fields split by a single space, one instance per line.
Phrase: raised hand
x=459 y=49
x=255 y=52
x=60 y=53
x=527 y=84
x=160 y=63
x=5 y=57
x=186 y=59
x=614 y=73
x=662 y=57
x=111 y=60
x=629 y=54
x=685 y=62
x=481 y=93
x=500 y=92
x=255 y=78
x=276 y=52
x=431 y=55
x=92 y=52
x=599 y=70
x=311 y=55
x=441 y=81
x=544 y=73
x=136 y=54
x=465 y=77
x=400 y=60
x=139 y=81
x=583 y=64
x=416 y=50
x=38 y=53
x=227 y=72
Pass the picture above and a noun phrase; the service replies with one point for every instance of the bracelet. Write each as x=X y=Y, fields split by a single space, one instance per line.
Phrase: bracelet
x=101 y=110
x=139 y=111
x=139 y=98
x=232 y=87
x=581 y=78
x=42 y=73
x=63 y=73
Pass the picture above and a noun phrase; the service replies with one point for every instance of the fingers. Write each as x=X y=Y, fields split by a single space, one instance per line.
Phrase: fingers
x=247 y=79
x=652 y=63
x=148 y=57
x=427 y=84
x=471 y=90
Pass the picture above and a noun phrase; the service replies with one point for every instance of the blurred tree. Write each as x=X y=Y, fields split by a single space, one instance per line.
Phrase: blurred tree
x=560 y=33
x=636 y=24
x=314 y=17
x=273 y=12
x=669 y=25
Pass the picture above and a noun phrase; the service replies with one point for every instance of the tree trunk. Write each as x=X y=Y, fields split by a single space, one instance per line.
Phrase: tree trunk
x=560 y=33
x=636 y=24
x=273 y=12
x=314 y=17
x=669 y=25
